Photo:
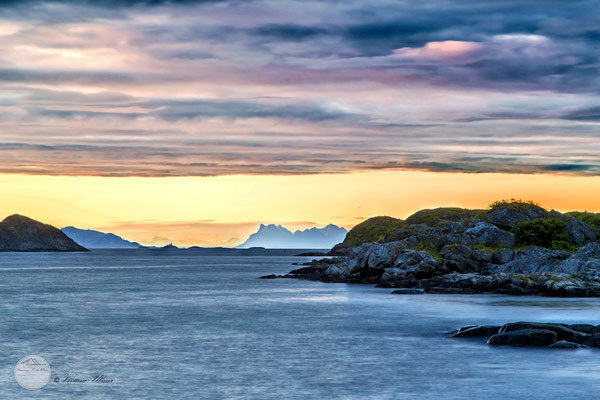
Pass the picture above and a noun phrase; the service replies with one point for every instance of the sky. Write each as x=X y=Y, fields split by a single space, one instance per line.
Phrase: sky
x=195 y=121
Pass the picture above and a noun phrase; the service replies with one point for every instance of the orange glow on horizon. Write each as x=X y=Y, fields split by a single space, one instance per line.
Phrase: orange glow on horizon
x=223 y=210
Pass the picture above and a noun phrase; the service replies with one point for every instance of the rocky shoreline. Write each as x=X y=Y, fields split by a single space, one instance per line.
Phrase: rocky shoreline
x=535 y=334
x=478 y=255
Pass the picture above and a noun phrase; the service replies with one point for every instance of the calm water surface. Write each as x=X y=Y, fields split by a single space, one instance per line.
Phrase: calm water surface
x=179 y=325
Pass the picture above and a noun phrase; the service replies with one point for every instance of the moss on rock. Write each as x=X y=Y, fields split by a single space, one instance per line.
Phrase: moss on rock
x=372 y=230
x=432 y=217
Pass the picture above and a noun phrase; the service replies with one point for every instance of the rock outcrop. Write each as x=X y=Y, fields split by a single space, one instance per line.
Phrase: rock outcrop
x=509 y=217
x=480 y=255
x=489 y=235
x=536 y=334
x=19 y=233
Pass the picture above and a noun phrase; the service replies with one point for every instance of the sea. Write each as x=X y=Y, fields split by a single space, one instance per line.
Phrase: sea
x=181 y=324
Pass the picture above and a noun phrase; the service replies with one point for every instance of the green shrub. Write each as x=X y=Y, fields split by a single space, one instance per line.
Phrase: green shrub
x=372 y=230
x=562 y=245
x=589 y=218
x=513 y=204
x=544 y=232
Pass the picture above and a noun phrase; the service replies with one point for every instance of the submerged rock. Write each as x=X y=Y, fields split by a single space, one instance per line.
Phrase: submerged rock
x=524 y=337
x=477 y=331
x=562 y=331
x=539 y=334
x=272 y=276
x=563 y=344
x=584 y=328
x=408 y=291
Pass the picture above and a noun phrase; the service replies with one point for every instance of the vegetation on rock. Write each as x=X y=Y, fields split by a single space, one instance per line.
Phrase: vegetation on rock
x=592 y=219
x=543 y=232
x=432 y=217
x=514 y=248
x=372 y=230
x=513 y=204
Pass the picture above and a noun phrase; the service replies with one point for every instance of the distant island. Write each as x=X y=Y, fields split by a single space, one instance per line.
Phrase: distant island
x=277 y=237
x=19 y=233
x=513 y=247
x=92 y=239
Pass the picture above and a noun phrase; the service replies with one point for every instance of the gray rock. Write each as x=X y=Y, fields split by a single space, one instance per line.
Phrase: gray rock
x=380 y=255
x=558 y=215
x=571 y=266
x=428 y=236
x=503 y=256
x=585 y=261
x=488 y=235
x=570 y=287
x=452 y=231
x=532 y=260
x=579 y=231
x=563 y=344
x=337 y=273
x=524 y=337
x=591 y=269
x=377 y=255
x=590 y=250
x=507 y=217
x=417 y=264
x=462 y=258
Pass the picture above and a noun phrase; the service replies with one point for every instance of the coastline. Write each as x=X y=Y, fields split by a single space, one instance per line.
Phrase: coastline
x=455 y=251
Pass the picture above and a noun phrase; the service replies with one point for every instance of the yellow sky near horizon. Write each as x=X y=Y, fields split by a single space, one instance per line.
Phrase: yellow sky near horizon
x=222 y=210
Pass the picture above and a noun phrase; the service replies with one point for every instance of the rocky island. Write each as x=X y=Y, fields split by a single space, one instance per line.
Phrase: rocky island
x=19 y=233
x=513 y=247
x=536 y=334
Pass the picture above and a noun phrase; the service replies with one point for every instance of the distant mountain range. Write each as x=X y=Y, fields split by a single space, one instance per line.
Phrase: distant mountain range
x=277 y=237
x=19 y=233
x=98 y=240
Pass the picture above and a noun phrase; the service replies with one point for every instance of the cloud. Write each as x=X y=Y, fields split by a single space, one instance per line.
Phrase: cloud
x=202 y=88
x=290 y=32
x=584 y=114
x=440 y=51
x=177 y=110
x=111 y=3
x=15 y=75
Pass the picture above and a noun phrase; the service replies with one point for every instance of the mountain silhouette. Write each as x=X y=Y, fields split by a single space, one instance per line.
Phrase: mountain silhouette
x=277 y=237
x=92 y=239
